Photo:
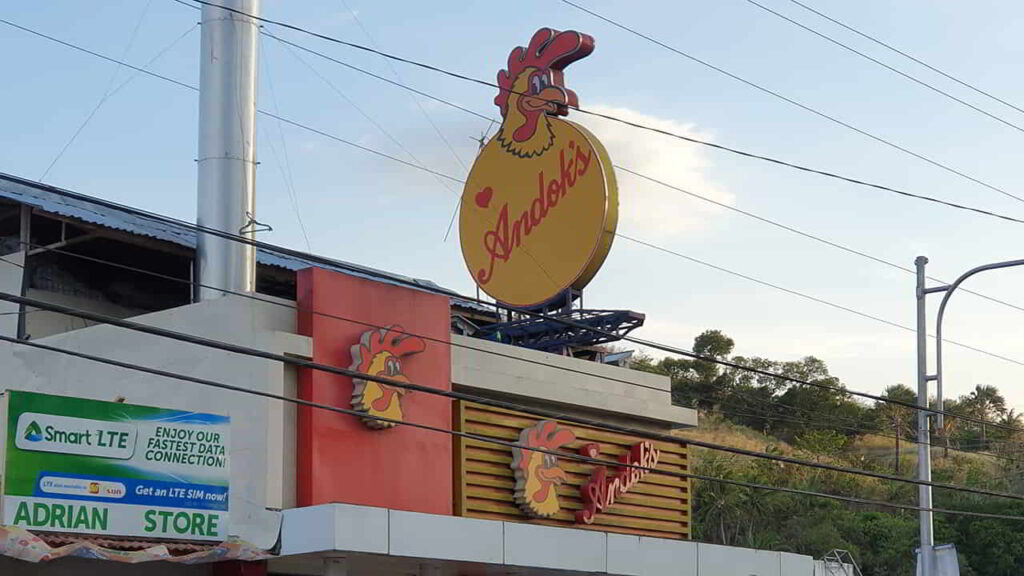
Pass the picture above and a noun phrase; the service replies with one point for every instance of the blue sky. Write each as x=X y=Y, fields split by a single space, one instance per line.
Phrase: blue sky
x=140 y=146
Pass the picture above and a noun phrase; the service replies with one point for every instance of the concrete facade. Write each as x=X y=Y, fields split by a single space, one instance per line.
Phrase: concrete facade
x=454 y=545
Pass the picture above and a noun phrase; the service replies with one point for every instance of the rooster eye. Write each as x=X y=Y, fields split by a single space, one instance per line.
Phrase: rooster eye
x=535 y=84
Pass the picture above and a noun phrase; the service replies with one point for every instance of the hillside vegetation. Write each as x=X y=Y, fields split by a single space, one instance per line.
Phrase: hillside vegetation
x=825 y=424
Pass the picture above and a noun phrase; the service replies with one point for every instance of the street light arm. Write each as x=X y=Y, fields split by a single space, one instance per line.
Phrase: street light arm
x=938 y=325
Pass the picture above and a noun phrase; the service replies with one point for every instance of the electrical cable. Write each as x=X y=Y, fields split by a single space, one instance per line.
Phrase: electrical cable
x=592 y=113
x=671 y=134
x=313 y=258
x=419 y=105
x=299 y=309
x=108 y=92
x=807 y=235
x=806 y=296
x=665 y=184
x=301 y=363
x=489 y=440
x=445 y=183
x=286 y=168
x=908 y=56
x=780 y=96
x=884 y=65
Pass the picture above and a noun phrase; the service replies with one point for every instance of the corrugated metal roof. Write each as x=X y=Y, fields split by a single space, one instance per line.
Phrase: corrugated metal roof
x=109 y=215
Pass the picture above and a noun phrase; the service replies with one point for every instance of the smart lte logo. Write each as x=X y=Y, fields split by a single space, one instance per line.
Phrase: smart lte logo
x=82 y=436
x=33 y=433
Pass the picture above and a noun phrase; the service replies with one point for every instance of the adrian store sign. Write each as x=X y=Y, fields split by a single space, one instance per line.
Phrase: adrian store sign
x=91 y=467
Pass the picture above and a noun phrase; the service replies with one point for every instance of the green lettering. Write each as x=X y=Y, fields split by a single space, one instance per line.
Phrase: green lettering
x=21 y=516
x=99 y=519
x=57 y=517
x=211 y=525
x=165 y=516
x=150 y=523
x=81 y=518
x=40 y=514
x=199 y=524
x=178 y=526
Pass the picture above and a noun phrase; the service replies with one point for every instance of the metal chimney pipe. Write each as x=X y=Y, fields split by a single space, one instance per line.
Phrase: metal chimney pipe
x=229 y=55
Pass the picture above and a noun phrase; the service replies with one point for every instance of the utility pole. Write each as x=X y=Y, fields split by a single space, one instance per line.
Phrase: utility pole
x=229 y=55
x=924 y=449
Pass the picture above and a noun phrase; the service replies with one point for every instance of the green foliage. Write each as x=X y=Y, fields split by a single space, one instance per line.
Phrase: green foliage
x=823 y=424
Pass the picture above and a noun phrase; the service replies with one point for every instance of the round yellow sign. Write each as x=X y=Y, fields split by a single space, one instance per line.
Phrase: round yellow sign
x=540 y=206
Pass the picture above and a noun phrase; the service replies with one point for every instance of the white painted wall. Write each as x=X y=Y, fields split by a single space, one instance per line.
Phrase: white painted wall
x=262 y=430
x=42 y=323
x=618 y=394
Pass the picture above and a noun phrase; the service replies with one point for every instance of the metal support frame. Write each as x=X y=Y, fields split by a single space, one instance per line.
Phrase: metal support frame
x=927 y=558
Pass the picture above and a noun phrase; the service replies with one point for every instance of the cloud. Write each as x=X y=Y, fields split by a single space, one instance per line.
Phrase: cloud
x=660 y=212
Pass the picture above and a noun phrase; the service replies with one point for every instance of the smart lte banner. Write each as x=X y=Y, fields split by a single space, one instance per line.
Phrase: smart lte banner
x=91 y=467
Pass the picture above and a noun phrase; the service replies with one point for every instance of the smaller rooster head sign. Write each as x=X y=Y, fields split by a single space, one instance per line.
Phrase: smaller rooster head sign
x=540 y=206
x=380 y=353
x=537 y=472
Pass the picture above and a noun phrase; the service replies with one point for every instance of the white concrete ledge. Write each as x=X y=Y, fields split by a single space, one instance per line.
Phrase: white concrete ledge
x=540 y=377
x=401 y=541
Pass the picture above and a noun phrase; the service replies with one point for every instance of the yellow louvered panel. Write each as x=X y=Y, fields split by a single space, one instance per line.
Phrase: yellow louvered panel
x=659 y=505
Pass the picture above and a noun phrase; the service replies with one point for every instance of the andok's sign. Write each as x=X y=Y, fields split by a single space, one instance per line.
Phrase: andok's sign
x=601 y=491
x=538 y=474
x=540 y=206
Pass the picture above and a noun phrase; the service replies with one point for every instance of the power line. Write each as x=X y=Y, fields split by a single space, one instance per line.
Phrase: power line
x=589 y=112
x=446 y=183
x=787 y=99
x=299 y=309
x=315 y=259
x=301 y=363
x=487 y=439
x=563 y=321
x=909 y=56
x=799 y=232
x=286 y=169
x=437 y=130
x=886 y=66
x=492 y=85
x=806 y=296
x=110 y=91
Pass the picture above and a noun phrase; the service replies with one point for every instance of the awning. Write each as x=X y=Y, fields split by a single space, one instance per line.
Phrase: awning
x=24 y=545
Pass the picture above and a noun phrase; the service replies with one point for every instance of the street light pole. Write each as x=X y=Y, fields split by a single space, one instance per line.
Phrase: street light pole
x=924 y=451
x=924 y=465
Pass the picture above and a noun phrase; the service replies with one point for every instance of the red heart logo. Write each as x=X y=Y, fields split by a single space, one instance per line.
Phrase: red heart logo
x=483 y=197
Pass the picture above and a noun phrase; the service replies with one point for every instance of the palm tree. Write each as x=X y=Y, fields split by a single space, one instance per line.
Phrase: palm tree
x=950 y=424
x=985 y=402
x=897 y=416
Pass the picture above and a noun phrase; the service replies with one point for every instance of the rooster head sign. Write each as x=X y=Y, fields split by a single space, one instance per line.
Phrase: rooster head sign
x=536 y=468
x=381 y=353
x=540 y=206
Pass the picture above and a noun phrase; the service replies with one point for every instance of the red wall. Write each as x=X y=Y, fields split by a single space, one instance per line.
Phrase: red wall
x=339 y=458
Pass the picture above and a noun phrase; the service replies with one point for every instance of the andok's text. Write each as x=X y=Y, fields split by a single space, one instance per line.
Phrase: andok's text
x=506 y=237
x=600 y=492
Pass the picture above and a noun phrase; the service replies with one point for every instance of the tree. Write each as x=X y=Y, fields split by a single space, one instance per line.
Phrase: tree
x=984 y=403
x=699 y=383
x=897 y=417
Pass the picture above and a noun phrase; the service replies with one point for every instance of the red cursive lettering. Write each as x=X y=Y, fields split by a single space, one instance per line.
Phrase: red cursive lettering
x=600 y=492
x=501 y=242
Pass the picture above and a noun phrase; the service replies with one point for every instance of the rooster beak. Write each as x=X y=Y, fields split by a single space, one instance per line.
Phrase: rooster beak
x=551 y=100
x=554 y=474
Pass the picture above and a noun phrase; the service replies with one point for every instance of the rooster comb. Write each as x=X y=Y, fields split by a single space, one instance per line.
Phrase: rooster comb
x=548 y=49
